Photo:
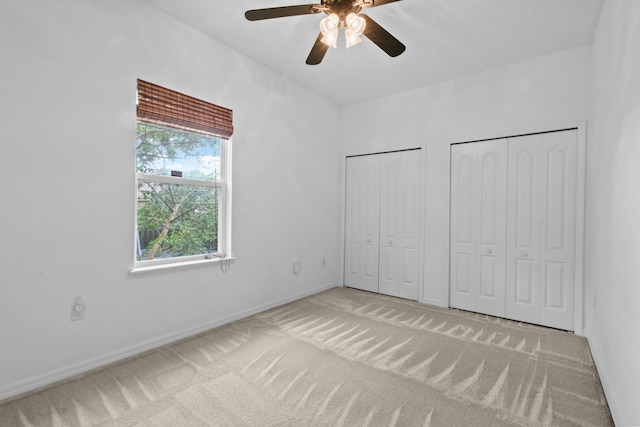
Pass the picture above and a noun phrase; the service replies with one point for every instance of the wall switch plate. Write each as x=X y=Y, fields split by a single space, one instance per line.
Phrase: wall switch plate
x=296 y=267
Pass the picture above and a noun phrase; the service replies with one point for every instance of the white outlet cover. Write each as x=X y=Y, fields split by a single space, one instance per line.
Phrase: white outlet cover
x=77 y=309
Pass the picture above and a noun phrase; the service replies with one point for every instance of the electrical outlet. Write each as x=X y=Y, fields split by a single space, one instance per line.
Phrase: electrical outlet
x=296 y=267
x=77 y=310
x=324 y=261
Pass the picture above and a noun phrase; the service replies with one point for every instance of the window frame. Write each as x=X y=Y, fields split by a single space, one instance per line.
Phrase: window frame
x=223 y=185
x=224 y=216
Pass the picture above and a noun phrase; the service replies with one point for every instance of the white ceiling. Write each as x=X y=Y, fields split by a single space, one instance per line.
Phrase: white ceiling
x=444 y=38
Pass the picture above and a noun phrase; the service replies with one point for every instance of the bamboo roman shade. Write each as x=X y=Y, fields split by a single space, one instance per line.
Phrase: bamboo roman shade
x=165 y=107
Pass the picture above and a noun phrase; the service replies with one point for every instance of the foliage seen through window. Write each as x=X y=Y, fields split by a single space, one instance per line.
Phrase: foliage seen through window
x=177 y=215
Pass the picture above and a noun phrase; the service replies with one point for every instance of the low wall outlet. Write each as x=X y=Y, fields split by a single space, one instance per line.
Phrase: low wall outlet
x=77 y=309
x=296 y=267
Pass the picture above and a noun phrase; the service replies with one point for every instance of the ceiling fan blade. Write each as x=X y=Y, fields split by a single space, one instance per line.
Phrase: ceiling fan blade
x=382 y=38
x=281 y=12
x=318 y=51
x=373 y=3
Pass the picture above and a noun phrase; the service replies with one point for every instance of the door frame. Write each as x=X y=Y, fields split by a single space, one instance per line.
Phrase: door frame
x=581 y=128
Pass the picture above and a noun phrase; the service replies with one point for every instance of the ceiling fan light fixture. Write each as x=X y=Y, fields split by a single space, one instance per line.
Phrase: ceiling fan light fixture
x=354 y=28
x=352 y=38
x=329 y=27
x=329 y=24
x=340 y=13
x=331 y=39
x=355 y=23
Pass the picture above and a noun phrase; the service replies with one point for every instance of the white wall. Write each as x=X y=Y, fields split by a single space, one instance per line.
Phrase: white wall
x=67 y=112
x=531 y=95
x=613 y=209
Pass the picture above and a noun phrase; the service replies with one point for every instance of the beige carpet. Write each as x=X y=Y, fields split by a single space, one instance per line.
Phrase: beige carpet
x=339 y=358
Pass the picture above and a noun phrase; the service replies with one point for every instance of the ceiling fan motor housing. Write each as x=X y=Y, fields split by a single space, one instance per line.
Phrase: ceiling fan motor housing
x=341 y=7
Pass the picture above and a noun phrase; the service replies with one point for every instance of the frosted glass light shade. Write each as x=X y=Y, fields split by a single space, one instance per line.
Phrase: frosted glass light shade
x=356 y=23
x=331 y=39
x=329 y=24
x=329 y=28
x=355 y=26
x=352 y=38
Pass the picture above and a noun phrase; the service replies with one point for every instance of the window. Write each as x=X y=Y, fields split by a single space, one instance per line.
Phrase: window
x=182 y=178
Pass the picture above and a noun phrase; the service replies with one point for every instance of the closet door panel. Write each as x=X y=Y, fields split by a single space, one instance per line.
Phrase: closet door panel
x=492 y=156
x=409 y=231
x=399 y=224
x=558 y=229
x=390 y=169
x=478 y=223
x=362 y=222
x=464 y=246
x=523 y=247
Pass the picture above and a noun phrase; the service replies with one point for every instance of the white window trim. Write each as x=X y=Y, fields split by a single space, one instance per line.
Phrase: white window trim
x=224 y=217
x=165 y=179
x=181 y=264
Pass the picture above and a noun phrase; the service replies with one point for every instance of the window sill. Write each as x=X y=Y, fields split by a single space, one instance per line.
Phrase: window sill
x=174 y=265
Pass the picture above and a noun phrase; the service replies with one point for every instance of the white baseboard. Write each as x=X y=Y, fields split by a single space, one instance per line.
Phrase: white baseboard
x=46 y=379
x=603 y=381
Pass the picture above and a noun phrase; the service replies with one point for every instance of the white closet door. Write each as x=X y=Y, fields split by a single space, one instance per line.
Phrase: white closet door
x=523 y=239
x=399 y=224
x=464 y=247
x=542 y=229
x=492 y=235
x=557 y=243
x=362 y=222
x=478 y=226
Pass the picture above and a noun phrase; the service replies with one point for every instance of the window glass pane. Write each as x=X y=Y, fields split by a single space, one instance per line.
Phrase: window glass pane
x=176 y=220
x=160 y=150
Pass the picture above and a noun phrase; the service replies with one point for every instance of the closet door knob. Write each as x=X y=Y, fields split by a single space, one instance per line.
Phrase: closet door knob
x=390 y=243
x=524 y=253
x=368 y=240
x=488 y=251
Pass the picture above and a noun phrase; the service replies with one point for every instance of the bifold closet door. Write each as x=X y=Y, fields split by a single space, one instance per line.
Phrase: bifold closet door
x=362 y=222
x=382 y=228
x=541 y=238
x=513 y=227
x=400 y=224
x=478 y=226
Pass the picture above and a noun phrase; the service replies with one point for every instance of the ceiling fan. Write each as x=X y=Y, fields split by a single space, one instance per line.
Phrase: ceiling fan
x=340 y=13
